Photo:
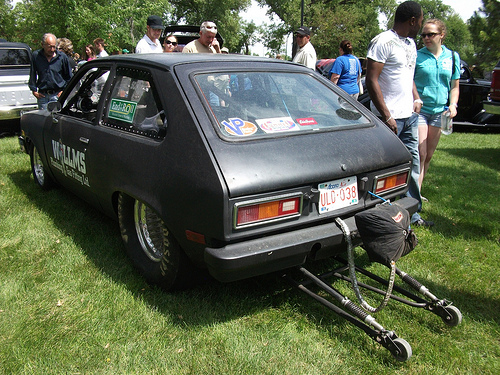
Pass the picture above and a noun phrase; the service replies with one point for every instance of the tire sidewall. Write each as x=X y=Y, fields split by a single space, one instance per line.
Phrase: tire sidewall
x=166 y=272
x=47 y=181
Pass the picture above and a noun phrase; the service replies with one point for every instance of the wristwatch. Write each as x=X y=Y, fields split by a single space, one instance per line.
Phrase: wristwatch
x=455 y=104
x=419 y=101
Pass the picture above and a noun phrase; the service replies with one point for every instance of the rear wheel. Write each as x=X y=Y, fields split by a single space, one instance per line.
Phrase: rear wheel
x=151 y=247
x=39 y=171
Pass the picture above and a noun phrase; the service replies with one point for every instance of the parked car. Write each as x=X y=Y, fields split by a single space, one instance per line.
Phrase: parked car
x=15 y=95
x=232 y=163
x=473 y=92
x=492 y=104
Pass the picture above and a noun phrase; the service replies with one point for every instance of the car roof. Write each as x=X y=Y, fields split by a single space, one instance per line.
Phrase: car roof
x=14 y=45
x=168 y=60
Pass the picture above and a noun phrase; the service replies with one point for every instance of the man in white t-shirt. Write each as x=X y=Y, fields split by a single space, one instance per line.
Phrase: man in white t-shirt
x=150 y=42
x=207 y=42
x=99 y=47
x=306 y=55
x=389 y=79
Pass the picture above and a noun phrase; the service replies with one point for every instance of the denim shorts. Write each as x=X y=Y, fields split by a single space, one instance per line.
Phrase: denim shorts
x=431 y=120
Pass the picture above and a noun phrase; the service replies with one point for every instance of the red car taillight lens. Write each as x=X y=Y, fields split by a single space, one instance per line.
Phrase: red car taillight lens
x=495 y=85
x=268 y=210
x=391 y=182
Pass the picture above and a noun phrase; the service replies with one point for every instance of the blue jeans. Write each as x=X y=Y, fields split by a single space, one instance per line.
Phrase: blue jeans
x=408 y=133
x=42 y=102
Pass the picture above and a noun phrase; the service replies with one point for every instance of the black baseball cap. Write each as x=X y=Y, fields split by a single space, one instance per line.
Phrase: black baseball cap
x=303 y=30
x=155 y=22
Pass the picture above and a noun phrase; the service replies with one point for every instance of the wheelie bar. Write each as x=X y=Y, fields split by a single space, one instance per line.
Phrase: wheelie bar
x=398 y=347
x=443 y=308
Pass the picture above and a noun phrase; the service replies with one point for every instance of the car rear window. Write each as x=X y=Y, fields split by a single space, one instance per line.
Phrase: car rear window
x=260 y=104
x=14 y=57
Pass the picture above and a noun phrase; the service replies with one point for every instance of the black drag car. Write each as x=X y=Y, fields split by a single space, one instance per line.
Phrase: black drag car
x=236 y=164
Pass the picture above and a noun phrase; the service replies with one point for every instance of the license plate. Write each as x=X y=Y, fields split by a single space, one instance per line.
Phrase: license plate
x=337 y=194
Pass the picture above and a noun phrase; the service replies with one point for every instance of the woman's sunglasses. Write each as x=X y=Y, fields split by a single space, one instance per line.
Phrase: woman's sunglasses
x=169 y=42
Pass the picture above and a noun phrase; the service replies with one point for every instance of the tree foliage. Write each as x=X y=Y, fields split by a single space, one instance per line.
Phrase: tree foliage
x=484 y=27
x=121 y=23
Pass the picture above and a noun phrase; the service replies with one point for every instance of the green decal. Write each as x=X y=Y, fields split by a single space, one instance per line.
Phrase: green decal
x=122 y=110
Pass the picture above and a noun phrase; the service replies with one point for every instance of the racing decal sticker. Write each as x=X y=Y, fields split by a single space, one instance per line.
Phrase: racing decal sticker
x=306 y=121
x=277 y=124
x=238 y=127
x=70 y=162
x=122 y=110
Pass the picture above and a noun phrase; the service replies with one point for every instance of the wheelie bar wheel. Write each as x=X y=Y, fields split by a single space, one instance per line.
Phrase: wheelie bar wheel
x=402 y=351
x=452 y=316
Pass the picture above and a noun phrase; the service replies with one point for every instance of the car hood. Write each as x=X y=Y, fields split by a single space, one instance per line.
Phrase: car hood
x=274 y=164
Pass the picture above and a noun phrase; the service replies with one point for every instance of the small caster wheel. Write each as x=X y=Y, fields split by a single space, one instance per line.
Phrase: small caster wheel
x=453 y=317
x=402 y=352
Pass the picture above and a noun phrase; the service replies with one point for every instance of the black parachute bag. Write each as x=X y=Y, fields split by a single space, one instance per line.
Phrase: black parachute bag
x=385 y=232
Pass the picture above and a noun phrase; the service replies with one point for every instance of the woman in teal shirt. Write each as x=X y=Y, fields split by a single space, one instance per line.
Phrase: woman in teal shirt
x=437 y=84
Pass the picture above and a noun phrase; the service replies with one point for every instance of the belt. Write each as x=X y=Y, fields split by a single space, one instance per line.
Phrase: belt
x=50 y=92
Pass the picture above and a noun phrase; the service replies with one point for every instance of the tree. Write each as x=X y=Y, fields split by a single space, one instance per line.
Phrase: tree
x=121 y=23
x=7 y=20
x=331 y=21
x=484 y=26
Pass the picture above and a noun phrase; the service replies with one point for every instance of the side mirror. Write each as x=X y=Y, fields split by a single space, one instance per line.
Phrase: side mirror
x=54 y=107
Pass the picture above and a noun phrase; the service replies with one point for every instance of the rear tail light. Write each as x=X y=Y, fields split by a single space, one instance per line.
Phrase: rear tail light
x=276 y=208
x=495 y=85
x=386 y=183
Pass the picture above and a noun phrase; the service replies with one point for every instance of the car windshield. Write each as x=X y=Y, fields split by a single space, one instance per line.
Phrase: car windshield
x=260 y=103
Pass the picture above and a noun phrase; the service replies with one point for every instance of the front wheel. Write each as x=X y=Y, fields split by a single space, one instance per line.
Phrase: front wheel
x=39 y=171
x=151 y=247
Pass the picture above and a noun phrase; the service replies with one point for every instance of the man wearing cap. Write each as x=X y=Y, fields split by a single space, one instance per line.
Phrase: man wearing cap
x=149 y=42
x=206 y=43
x=306 y=55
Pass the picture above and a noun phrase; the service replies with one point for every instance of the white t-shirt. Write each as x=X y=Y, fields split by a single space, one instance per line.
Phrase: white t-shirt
x=146 y=45
x=103 y=53
x=399 y=56
x=306 y=56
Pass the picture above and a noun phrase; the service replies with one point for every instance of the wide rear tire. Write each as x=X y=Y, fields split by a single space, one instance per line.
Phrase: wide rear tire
x=151 y=247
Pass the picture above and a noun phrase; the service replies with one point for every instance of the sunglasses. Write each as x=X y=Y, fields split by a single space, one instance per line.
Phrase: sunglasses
x=169 y=42
x=429 y=35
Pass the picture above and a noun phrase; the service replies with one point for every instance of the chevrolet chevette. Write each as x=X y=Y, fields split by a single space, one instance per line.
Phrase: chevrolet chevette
x=235 y=164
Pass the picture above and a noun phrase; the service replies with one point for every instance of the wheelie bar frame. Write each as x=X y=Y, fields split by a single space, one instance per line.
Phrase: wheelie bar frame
x=353 y=313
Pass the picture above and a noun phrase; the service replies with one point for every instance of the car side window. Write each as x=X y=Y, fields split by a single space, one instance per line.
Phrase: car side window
x=82 y=102
x=134 y=104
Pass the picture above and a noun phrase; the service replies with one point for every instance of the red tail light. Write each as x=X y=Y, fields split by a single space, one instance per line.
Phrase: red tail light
x=387 y=183
x=495 y=85
x=268 y=210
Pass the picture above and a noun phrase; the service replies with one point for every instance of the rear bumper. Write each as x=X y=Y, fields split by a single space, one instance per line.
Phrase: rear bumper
x=13 y=112
x=277 y=252
x=492 y=107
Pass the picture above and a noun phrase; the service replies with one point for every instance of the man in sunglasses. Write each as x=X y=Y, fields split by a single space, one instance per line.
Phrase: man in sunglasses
x=149 y=42
x=207 y=42
x=306 y=55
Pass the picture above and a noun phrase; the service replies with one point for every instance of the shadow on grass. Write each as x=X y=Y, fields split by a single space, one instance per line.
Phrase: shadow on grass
x=99 y=238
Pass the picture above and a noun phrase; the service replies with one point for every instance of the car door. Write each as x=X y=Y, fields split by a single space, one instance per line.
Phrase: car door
x=74 y=130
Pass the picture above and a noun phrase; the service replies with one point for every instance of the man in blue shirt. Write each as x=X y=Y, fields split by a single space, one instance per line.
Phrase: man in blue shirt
x=50 y=72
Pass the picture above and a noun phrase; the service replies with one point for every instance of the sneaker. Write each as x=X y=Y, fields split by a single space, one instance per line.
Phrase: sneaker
x=424 y=199
x=423 y=223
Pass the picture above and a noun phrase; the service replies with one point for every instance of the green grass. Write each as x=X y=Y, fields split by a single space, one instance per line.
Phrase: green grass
x=70 y=302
